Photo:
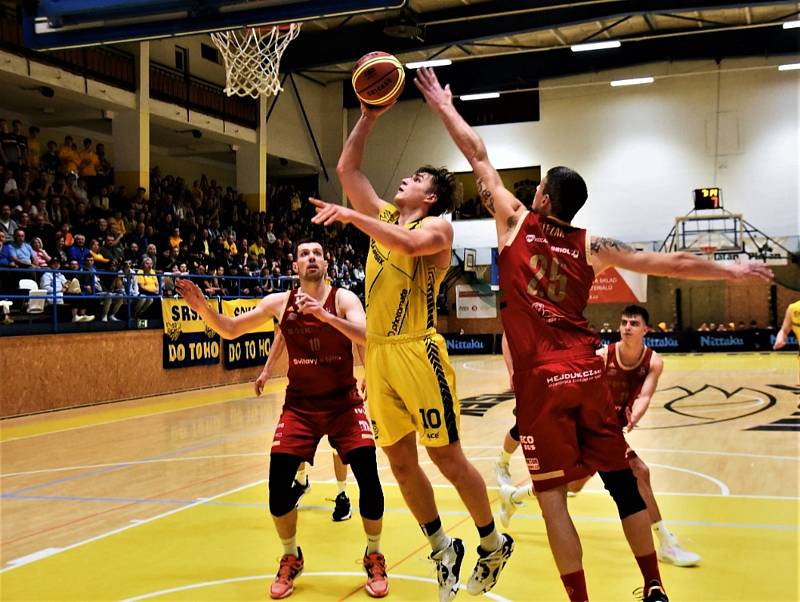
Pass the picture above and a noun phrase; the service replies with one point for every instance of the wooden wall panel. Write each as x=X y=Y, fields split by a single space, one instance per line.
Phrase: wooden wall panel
x=61 y=371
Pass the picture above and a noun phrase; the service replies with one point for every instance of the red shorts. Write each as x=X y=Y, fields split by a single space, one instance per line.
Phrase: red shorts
x=567 y=422
x=299 y=431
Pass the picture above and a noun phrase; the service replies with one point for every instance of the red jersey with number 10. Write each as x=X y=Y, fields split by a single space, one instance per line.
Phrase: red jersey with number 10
x=545 y=277
x=320 y=359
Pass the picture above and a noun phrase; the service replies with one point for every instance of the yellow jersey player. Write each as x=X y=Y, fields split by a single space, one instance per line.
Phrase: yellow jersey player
x=410 y=383
x=791 y=321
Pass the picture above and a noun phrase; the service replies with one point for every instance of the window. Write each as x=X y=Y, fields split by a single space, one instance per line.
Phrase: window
x=181 y=59
x=209 y=53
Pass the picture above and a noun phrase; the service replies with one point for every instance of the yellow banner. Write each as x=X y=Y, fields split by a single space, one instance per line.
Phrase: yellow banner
x=236 y=307
x=188 y=341
x=251 y=349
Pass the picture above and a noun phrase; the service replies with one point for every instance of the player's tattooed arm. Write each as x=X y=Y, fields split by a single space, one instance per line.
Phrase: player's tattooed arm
x=486 y=197
x=600 y=243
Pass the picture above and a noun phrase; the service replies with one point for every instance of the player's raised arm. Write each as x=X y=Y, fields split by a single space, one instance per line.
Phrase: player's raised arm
x=607 y=252
x=226 y=326
x=434 y=236
x=358 y=188
x=501 y=203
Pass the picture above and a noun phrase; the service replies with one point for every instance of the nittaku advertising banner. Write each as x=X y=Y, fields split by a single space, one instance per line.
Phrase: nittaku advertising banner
x=187 y=339
x=615 y=285
x=708 y=342
x=251 y=349
x=475 y=302
x=469 y=343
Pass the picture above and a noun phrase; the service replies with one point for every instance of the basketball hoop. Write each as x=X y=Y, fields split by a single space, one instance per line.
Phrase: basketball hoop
x=252 y=58
x=709 y=250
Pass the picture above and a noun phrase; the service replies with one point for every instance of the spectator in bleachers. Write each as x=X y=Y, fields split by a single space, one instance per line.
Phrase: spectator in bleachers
x=43 y=230
x=88 y=164
x=34 y=148
x=68 y=157
x=10 y=189
x=54 y=281
x=79 y=306
x=78 y=251
x=9 y=146
x=50 y=161
x=39 y=257
x=7 y=223
x=65 y=231
x=21 y=251
x=147 y=279
x=150 y=253
x=61 y=251
x=97 y=257
x=112 y=291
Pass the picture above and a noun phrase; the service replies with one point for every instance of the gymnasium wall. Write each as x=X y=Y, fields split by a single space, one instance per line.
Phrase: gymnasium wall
x=62 y=371
x=191 y=169
x=641 y=149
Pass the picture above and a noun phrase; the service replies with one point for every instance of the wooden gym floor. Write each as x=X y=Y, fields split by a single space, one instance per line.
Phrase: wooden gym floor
x=164 y=498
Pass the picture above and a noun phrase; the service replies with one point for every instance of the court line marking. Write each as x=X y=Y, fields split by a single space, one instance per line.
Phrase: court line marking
x=677 y=451
x=392 y=576
x=143 y=521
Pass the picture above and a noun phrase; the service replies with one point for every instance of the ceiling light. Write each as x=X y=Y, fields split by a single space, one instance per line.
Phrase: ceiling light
x=789 y=67
x=595 y=46
x=791 y=24
x=635 y=81
x=432 y=63
x=482 y=96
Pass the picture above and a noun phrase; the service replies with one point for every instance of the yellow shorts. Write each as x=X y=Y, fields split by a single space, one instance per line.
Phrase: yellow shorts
x=411 y=386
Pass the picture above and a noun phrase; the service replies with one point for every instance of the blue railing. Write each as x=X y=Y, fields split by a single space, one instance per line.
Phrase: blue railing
x=10 y=278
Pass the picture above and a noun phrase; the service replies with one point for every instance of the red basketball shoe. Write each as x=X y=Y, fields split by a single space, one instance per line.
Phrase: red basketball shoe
x=377 y=582
x=290 y=567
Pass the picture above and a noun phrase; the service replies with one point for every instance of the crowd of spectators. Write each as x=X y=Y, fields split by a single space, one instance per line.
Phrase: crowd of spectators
x=61 y=211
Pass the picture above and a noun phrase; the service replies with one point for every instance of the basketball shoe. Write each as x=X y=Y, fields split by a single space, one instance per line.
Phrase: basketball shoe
x=502 y=473
x=377 y=582
x=671 y=552
x=489 y=565
x=448 y=567
x=508 y=506
x=654 y=592
x=341 y=510
x=291 y=566
x=299 y=490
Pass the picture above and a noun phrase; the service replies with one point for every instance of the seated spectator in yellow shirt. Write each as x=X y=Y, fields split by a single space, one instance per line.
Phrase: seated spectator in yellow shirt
x=257 y=248
x=146 y=278
x=175 y=240
x=117 y=223
x=99 y=260
x=87 y=159
x=67 y=157
x=230 y=244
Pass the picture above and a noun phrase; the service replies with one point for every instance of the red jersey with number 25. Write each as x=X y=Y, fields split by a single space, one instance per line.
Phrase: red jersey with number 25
x=545 y=277
x=320 y=359
x=626 y=382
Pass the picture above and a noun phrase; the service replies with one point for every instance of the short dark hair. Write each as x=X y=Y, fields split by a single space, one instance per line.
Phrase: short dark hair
x=308 y=240
x=637 y=310
x=447 y=190
x=567 y=192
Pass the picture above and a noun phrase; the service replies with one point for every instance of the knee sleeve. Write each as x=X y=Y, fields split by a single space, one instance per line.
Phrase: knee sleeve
x=365 y=469
x=282 y=468
x=621 y=484
x=514 y=432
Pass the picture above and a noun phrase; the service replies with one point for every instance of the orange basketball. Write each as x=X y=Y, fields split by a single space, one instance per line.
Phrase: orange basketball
x=378 y=78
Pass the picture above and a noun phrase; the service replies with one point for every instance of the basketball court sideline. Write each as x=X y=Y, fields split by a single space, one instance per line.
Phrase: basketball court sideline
x=165 y=497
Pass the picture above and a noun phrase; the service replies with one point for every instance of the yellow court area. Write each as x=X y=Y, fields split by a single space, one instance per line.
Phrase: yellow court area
x=165 y=498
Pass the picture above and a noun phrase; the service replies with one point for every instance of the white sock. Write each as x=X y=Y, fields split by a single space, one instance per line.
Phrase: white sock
x=341 y=485
x=520 y=493
x=290 y=546
x=664 y=535
x=300 y=477
x=505 y=458
x=438 y=540
x=491 y=542
x=373 y=543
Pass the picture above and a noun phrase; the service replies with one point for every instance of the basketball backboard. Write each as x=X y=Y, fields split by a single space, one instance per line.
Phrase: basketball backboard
x=53 y=24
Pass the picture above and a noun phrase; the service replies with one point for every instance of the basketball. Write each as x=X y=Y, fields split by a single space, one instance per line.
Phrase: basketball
x=378 y=78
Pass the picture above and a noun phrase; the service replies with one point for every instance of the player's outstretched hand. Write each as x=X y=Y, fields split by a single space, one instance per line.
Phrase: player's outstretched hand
x=435 y=95
x=780 y=340
x=328 y=213
x=261 y=381
x=191 y=293
x=373 y=112
x=309 y=305
x=752 y=269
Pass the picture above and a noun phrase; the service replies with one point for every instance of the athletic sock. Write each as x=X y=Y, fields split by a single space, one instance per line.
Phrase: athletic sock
x=665 y=537
x=490 y=538
x=436 y=535
x=290 y=546
x=648 y=565
x=505 y=457
x=520 y=493
x=300 y=477
x=373 y=543
x=575 y=584
x=341 y=485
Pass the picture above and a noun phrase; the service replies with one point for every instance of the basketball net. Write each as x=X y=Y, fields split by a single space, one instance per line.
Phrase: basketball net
x=252 y=58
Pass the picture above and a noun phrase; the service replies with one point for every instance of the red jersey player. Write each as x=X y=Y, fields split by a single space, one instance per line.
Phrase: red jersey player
x=318 y=323
x=567 y=423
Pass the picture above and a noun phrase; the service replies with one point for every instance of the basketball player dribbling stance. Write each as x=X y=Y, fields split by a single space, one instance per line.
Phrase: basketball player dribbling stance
x=632 y=370
x=567 y=422
x=318 y=323
x=791 y=321
x=410 y=384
